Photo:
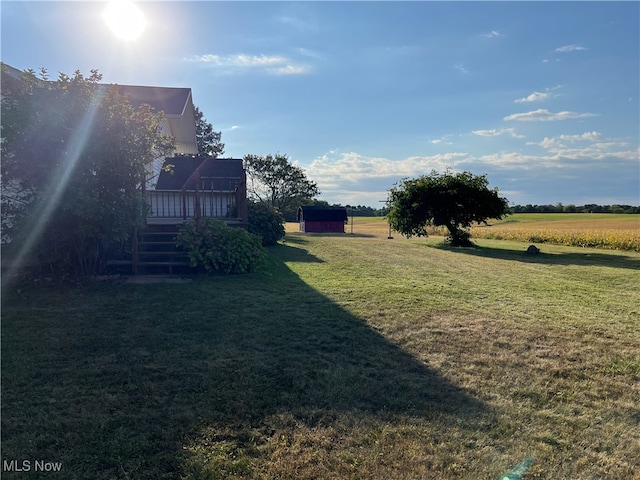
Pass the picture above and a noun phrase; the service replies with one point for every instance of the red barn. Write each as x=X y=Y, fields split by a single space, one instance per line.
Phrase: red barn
x=322 y=219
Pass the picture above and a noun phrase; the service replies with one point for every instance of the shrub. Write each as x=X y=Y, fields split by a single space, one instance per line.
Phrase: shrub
x=213 y=246
x=266 y=222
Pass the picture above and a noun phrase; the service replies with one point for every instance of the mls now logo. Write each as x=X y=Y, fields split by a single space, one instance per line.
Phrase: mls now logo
x=28 y=465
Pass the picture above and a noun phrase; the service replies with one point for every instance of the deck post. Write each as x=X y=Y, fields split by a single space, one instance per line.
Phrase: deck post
x=197 y=213
x=241 y=201
x=134 y=251
x=184 y=204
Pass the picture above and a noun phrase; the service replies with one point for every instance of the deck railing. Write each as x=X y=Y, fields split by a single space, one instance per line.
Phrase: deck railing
x=181 y=205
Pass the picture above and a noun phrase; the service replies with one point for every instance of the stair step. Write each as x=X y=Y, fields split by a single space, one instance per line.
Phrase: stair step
x=163 y=264
x=118 y=262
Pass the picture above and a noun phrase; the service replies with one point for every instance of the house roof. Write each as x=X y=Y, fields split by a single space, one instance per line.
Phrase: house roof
x=322 y=214
x=175 y=102
x=172 y=101
x=177 y=105
x=10 y=77
x=215 y=173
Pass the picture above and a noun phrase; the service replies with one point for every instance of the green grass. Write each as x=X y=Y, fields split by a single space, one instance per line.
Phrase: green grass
x=347 y=357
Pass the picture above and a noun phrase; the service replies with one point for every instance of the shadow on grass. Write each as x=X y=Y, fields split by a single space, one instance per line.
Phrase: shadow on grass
x=614 y=259
x=117 y=381
x=346 y=234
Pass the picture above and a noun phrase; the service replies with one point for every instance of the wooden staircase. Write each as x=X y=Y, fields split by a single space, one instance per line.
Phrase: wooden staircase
x=153 y=251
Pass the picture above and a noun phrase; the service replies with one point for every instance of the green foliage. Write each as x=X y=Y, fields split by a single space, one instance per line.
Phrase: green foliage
x=274 y=180
x=265 y=222
x=209 y=141
x=451 y=200
x=74 y=157
x=213 y=246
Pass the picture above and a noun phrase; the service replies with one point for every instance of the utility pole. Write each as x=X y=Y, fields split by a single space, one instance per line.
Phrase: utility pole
x=389 y=237
x=351 y=209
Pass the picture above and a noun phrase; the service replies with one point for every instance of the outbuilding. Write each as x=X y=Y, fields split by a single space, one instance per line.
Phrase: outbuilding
x=322 y=219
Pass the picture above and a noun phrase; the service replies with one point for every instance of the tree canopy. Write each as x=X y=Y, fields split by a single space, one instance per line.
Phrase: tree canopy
x=278 y=183
x=455 y=201
x=209 y=141
x=74 y=159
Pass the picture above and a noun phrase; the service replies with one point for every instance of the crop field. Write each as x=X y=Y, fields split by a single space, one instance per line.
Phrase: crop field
x=608 y=231
x=345 y=357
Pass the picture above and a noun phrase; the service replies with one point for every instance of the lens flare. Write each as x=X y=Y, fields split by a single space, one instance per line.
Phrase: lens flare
x=124 y=19
x=56 y=187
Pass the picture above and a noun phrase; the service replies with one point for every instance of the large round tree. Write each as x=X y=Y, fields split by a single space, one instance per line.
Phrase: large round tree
x=275 y=181
x=455 y=201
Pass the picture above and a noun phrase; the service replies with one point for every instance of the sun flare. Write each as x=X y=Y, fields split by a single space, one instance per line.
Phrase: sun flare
x=125 y=19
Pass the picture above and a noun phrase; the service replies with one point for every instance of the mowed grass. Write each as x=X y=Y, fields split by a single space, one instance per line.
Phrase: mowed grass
x=348 y=356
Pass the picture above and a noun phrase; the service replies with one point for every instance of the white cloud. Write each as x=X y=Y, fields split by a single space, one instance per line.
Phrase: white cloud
x=353 y=167
x=543 y=115
x=558 y=158
x=495 y=133
x=461 y=68
x=571 y=48
x=291 y=70
x=491 y=34
x=562 y=141
x=353 y=178
x=446 y=140
x=275 y=64
x=534 y=97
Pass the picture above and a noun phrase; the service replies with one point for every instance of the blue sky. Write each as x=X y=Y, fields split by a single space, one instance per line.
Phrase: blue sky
x=543 y=97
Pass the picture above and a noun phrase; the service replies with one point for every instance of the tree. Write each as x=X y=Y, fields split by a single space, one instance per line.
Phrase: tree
x=74 y=159
x=275 y=181
x=265 y=222
x=209 y=141
x=451 y=200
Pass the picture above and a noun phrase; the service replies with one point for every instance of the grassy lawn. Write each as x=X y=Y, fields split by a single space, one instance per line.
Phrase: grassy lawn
x=348 y=356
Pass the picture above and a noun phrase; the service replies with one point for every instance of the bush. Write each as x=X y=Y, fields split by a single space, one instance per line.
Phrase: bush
x=265 y=222
x=213 y=246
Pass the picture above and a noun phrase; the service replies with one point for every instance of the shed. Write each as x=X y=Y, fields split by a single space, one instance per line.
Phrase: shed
x=322 y=219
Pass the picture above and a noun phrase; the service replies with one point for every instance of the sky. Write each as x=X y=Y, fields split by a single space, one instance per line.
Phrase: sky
x=542 y=97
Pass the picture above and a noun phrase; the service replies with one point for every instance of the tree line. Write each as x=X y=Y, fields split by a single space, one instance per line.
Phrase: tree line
x=588 y=208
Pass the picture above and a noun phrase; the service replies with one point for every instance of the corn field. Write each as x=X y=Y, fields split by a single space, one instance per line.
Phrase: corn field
x=580 y=230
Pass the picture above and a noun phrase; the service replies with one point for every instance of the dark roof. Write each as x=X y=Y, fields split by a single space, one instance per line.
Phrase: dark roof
x=215 y=173
x=322 y=214
x=171 y=101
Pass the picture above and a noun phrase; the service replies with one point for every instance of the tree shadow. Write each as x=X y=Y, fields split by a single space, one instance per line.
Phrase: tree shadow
x=614 y=260
x=220 y=354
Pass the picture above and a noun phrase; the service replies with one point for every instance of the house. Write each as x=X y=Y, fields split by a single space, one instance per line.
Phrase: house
x=178 y=187
x=322 y=219
x=180 y=119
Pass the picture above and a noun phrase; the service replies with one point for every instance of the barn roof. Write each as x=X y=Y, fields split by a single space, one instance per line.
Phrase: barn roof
x=322 y=214
x=221 y=172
